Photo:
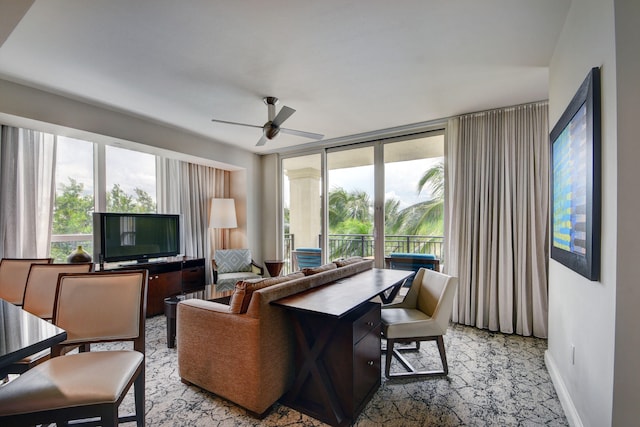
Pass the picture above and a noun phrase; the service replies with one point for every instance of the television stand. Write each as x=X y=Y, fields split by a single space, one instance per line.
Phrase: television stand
x=168 y=277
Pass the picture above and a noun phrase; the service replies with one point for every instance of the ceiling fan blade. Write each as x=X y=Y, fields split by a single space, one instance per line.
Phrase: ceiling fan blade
x=236 y=123
x=262 y=141
x=301 y=133
x=284 y=113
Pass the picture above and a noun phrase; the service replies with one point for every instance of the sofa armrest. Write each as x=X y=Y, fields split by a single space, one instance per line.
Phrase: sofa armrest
x=235 y=356
x=258 y=269
x=214 y=270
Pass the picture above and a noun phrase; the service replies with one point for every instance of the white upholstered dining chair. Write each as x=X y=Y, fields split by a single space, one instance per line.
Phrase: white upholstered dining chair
x=423 y=315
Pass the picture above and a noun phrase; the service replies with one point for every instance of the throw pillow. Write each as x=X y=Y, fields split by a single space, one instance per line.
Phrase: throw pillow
x=314 y=270
x=232 y=260
x=346 y=261
x=244 y=290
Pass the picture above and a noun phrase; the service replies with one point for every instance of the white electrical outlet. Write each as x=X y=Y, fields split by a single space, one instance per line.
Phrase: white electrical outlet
x=573 y=354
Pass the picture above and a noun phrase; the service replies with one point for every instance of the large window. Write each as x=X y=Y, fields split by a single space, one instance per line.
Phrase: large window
x=381 y=197
x=74 y=201
x=350 y=202
x=414 y=196
x=129 y=185
x=131 y=181
x=302 y=201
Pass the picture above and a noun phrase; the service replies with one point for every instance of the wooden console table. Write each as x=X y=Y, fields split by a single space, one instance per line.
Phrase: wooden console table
x=337 y=330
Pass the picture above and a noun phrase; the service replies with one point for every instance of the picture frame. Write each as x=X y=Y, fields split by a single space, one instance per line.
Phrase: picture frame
x=576 y=181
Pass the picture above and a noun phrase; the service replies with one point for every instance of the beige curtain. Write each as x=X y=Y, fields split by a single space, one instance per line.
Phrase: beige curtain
x=497 y=235
x=187 y=189
x=27 y=191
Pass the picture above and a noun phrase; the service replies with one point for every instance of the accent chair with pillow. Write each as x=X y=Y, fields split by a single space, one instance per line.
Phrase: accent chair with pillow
x=233 y=265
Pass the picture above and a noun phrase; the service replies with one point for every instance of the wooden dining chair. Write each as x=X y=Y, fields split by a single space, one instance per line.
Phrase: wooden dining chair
x=39 y=297
x=13 y=277
x=94 y=307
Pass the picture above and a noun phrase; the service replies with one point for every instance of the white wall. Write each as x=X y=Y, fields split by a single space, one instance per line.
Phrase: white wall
x=271 y=213
x=583 y=313
x=626 y=386
x=36 y=109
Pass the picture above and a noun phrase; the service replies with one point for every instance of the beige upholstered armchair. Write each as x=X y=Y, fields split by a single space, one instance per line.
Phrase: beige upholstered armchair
x=232 y=265
x=423 y=315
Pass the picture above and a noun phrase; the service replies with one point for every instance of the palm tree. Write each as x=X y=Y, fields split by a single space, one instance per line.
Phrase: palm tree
x=350 y=213
x=426 y=217
x=343 y=206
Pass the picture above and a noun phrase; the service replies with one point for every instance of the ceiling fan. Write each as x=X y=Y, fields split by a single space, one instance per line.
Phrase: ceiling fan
x=272 y=127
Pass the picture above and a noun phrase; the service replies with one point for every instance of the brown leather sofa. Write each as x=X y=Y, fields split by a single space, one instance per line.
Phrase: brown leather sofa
x=248 y=357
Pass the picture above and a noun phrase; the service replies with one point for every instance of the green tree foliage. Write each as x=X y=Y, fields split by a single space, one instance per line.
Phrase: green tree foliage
x=349 y=211
x=119 y=201
x=424 y=218
x=392 y=221
x=71 y=215
x=73 y=209
x=144 y=203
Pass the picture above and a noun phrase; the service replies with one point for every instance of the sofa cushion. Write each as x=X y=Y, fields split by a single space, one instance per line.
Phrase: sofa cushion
x=232 y=260
x=346 y=261
x=244 y=290
x=314 y=270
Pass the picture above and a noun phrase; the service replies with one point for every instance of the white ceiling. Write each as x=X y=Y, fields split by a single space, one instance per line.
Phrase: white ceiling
x=347 y=67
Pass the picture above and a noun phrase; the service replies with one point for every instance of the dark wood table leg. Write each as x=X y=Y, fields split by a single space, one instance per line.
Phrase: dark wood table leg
x=311 y=344
x=392 y=292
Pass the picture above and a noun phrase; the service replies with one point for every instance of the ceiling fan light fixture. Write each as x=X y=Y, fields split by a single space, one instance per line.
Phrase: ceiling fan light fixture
x=271 y=131
x=272 y=128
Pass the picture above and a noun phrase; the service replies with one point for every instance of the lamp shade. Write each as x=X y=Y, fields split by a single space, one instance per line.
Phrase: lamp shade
x=223 y=214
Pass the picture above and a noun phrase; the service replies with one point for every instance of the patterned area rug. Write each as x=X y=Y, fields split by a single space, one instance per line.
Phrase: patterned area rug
x=494 y=380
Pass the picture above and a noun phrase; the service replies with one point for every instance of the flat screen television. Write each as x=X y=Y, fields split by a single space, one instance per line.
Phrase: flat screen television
x=135 y=237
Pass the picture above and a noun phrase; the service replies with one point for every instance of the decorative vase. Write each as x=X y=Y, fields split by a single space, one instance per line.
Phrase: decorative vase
x=79 y=255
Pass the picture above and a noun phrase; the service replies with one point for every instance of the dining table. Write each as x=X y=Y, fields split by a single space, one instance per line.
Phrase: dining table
x=23 y=334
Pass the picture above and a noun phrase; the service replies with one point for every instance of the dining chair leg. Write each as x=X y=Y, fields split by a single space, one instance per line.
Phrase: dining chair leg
x=139 y=396
x=411 y=371
x=389 y=356
x=443 y=355
x=109 y=417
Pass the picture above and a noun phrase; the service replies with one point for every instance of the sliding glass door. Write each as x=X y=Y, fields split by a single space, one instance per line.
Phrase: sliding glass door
x=302 y=204
x=381 y=197
x=351 y=175
x=414 y=196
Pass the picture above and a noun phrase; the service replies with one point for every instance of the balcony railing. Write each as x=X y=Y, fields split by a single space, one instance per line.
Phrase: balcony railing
x=346 y=245
x=63 y=244
x=340 y=246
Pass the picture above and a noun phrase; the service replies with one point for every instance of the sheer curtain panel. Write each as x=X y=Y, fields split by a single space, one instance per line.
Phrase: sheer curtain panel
x=498 y=198
x=188 y=188
x=27 y=191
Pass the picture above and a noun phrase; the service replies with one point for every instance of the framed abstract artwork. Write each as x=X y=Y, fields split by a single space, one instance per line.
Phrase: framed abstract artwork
x=575 y=181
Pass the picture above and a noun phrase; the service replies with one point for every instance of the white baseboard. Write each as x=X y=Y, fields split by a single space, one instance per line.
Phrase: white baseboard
x=561 y=390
